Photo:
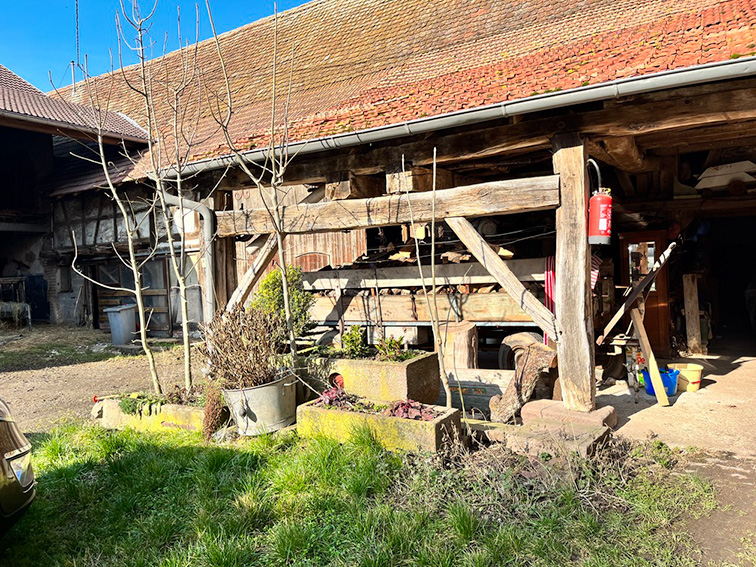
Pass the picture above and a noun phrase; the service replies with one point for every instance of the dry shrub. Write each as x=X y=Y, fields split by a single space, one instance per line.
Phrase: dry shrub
x=213 y=418
x=241 y=348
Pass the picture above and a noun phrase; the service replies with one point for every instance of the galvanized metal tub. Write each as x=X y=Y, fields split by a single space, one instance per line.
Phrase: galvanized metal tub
x=263 y=409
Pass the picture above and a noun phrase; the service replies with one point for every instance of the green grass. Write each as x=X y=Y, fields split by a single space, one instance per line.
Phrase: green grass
x=133 y=499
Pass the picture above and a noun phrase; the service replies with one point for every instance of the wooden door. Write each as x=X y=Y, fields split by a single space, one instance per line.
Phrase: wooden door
x=639 y=251
x=155 y=292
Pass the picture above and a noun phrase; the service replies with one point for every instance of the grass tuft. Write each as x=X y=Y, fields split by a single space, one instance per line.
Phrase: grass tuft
x=128 y=498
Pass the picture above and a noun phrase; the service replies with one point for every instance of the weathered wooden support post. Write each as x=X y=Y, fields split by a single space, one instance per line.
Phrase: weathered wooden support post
x=575 y=347
x=692 y=317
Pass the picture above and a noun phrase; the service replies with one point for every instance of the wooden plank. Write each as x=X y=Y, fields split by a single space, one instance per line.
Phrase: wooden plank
x=490 y=259
x=248 y=281
x=366 y=310
x=639 y=288
x=725 y=205
x=692 y=318
x=483 y=199
x=573 y=299
x=648 y=354
x=530 y=270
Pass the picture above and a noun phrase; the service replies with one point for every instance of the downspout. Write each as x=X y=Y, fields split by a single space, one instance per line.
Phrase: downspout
x=208 y=230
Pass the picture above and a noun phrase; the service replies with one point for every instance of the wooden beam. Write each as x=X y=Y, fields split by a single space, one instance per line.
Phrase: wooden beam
x=417 y=178
x=626 y=155
x=347 y=185
x=248 y=281
x=489 y=259
x=573 y=299
x=639 y=288
x=483 y=199
x=648 y=354
x=531 y=270
x=726 y=205
x=368 y=310
x=692 y=318
x=629 y=116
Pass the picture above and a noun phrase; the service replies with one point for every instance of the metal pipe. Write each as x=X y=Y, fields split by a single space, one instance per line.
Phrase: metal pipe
x=723 y=70
x=208 y=229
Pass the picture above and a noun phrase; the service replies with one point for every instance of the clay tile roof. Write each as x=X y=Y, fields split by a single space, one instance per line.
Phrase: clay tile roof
x=23 y=102
x=365 y=63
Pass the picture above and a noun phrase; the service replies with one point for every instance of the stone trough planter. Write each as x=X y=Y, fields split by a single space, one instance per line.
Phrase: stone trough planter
x=394 y=433
x=152 y=417
x=384 y=381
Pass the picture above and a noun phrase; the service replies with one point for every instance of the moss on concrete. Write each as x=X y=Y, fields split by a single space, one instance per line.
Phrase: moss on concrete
x=394 y=433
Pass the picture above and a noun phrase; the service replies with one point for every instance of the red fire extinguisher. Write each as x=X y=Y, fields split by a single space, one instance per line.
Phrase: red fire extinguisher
x=600 y=218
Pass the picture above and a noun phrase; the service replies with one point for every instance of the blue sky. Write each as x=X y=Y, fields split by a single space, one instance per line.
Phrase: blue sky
x=37 y=36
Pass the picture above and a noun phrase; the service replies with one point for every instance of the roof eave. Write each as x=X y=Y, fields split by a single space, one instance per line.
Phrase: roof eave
x=676 y=78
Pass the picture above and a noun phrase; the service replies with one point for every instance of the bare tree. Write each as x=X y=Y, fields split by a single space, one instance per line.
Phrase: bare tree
x=270 y=181
x=169 y=90
x=97 y=114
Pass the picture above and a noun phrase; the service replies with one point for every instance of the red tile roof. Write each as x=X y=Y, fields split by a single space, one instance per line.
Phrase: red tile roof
x=365 y=63
x=22 y=101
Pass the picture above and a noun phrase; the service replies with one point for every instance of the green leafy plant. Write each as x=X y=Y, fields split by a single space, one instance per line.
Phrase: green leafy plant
x=353 y=342
x=390 y=348
x=135 y=403
x=269 y=299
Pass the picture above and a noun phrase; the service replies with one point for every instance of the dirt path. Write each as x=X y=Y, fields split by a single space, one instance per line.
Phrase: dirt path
x=727 y=536
x=52 y=373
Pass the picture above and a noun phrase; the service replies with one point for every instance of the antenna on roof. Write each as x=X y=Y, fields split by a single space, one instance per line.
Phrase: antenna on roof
x=78 y=52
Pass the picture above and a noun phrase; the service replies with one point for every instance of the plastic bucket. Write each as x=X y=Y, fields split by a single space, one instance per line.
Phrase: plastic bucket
x=263 y=409
x=122 y=321
x=690 y=376
x=669 y=379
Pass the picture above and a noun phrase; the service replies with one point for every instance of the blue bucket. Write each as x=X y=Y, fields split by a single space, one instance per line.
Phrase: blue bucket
x=669 y=379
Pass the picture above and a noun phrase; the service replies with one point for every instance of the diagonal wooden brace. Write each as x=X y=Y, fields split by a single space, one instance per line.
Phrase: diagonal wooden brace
x=492 y=262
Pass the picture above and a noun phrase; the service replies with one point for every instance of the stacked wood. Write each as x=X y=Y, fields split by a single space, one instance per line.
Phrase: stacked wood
x=536 y=359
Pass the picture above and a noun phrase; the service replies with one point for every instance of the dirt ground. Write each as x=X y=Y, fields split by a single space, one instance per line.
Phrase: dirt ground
x=719 y=420
x=51 y=373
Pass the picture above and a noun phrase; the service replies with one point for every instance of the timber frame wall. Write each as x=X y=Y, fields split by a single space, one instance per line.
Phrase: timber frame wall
x=630 y=136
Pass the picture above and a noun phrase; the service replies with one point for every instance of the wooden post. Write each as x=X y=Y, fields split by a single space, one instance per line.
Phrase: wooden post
x=648 y=354
x=573 y=275
x=460 y=345
x=692 y=318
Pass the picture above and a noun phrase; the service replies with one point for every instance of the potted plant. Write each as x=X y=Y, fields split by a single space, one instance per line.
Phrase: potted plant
x=403 y=425
x=243 y=356
x=385 y=373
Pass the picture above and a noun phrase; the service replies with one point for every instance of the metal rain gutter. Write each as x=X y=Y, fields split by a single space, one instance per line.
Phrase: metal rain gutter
x=710 y=72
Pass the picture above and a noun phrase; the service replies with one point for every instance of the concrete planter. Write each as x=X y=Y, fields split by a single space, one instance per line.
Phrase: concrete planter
x=394 y=433
x=153 y=417
x=383 y=381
